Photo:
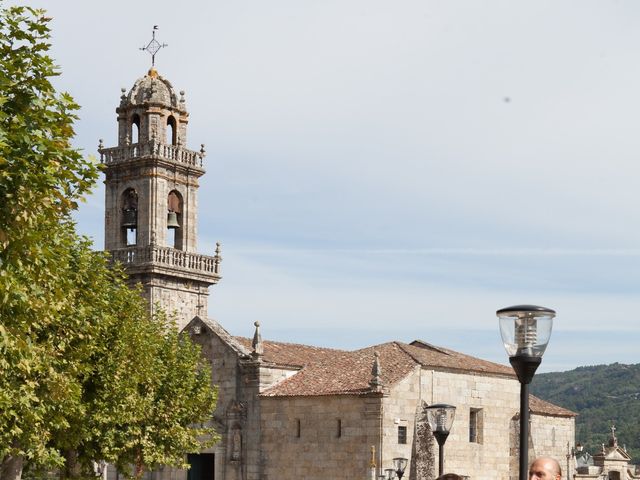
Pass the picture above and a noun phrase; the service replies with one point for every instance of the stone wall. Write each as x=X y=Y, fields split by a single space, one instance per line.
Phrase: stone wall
x=316 y=438
x=495 y=401
x=549 y=438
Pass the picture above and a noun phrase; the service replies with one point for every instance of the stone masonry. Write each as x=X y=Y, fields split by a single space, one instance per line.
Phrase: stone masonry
x=151 y=200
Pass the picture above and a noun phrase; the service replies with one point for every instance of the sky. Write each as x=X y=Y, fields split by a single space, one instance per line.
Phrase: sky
x=382 y=170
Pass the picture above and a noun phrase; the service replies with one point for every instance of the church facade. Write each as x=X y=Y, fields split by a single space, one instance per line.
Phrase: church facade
x=288 y=411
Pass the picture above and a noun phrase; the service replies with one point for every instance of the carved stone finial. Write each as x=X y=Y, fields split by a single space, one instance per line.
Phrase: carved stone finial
x=100 y=144
x=258 y=349
x=123 y=94
x=217 y=258
x=181 y=96
x=613 y=441
x=202 y=150
x=376 y=381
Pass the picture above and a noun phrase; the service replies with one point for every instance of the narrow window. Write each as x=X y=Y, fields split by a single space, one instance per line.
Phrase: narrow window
x=338 y=427
x=129 y=221
x=297 y=427
x=135 y=128
x=171 y=131
x=174 y=220
x=402 y=434
x=475 y=425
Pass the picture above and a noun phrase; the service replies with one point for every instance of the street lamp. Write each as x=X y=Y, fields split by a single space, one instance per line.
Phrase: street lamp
x=525 y=331
x=399 y=464
x=440 y=418
x=571 y=453
x=391 y=473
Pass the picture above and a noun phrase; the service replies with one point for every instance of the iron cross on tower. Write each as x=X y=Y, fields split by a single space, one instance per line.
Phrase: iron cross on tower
x=153 y=46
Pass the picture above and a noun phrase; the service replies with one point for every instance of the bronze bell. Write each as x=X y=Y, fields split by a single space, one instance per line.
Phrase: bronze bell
x=129 y=219
x=172 y=220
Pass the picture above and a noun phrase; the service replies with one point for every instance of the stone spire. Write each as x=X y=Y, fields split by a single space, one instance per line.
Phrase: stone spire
x=376 y=381
x=151 y=200
x=613 y=441
x=258 y=349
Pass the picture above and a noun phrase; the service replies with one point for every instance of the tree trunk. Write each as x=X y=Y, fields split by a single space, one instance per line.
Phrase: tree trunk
x=11 y=467
x=72 y=468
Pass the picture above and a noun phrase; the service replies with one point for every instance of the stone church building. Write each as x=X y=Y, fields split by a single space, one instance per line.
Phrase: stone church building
x=288 y=411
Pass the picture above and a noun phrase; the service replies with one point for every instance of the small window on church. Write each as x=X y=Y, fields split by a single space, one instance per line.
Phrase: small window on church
x=172 y=136
x=402 y=434
x=297 y=428
x=135 y=128
x=338 y=428
x=129 y=220
x=174 y=220
x=475 y=425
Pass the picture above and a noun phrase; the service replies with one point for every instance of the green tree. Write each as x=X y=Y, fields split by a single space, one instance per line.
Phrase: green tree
x=41 y=179
x=85 y=373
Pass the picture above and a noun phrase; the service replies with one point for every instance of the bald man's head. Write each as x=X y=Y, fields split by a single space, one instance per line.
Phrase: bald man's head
x=545 y=468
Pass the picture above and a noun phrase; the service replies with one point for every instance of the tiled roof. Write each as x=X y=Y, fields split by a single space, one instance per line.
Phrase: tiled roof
x=431 y=356
x=542 y=407
x=346 y=373
x=325 y=371
x=290 y=355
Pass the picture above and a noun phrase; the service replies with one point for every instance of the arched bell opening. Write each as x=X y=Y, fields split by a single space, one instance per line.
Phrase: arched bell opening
x=134 y=133
x=175 y=232
x=172 y=131
x=129 y=218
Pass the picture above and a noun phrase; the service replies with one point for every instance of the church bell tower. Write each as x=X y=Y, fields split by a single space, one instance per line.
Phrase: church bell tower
x=151 y=204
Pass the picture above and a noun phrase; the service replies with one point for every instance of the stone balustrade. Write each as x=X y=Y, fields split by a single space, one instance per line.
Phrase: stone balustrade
x=176 y=153
x=167 y=256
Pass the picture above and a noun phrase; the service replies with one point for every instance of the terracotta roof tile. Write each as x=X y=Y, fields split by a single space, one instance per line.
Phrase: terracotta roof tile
x=345 y=373
x=431 y=356
x=290 y=354
x=542 y=407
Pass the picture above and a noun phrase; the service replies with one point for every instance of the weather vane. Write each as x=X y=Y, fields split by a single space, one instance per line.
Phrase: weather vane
x=154 y=46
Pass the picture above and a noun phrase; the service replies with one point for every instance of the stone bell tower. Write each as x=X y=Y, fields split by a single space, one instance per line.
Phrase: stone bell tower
x=151 y=206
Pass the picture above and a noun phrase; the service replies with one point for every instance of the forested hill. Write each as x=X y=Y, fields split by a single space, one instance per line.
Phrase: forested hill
x=601 y=395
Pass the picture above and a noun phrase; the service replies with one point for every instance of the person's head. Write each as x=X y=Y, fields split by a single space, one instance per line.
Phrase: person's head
x=450 y=476
x=545 y=468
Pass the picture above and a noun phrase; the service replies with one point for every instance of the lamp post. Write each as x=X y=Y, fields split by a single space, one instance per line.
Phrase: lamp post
x=571 y=453
x=440 y=418
x=525 y=331
x=399 y=464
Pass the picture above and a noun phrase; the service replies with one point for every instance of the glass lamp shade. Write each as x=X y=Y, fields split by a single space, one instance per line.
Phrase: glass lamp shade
x=440 y=417
x=525 y=329
x=579 y=447
x=390 y=474
x=400 y=464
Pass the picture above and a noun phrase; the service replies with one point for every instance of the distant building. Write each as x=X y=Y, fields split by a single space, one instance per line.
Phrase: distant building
x=289 y=411
x=611 y=463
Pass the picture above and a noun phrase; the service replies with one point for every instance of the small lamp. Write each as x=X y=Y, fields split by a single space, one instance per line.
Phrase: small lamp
x=440 y=418
x=400 y=464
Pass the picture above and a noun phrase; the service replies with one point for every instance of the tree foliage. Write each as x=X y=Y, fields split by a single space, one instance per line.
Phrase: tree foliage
x=602 y=395
x=41 y=179
x=85 y=372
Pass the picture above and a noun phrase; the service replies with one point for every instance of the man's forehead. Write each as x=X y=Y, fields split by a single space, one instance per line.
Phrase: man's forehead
x=543 y=463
